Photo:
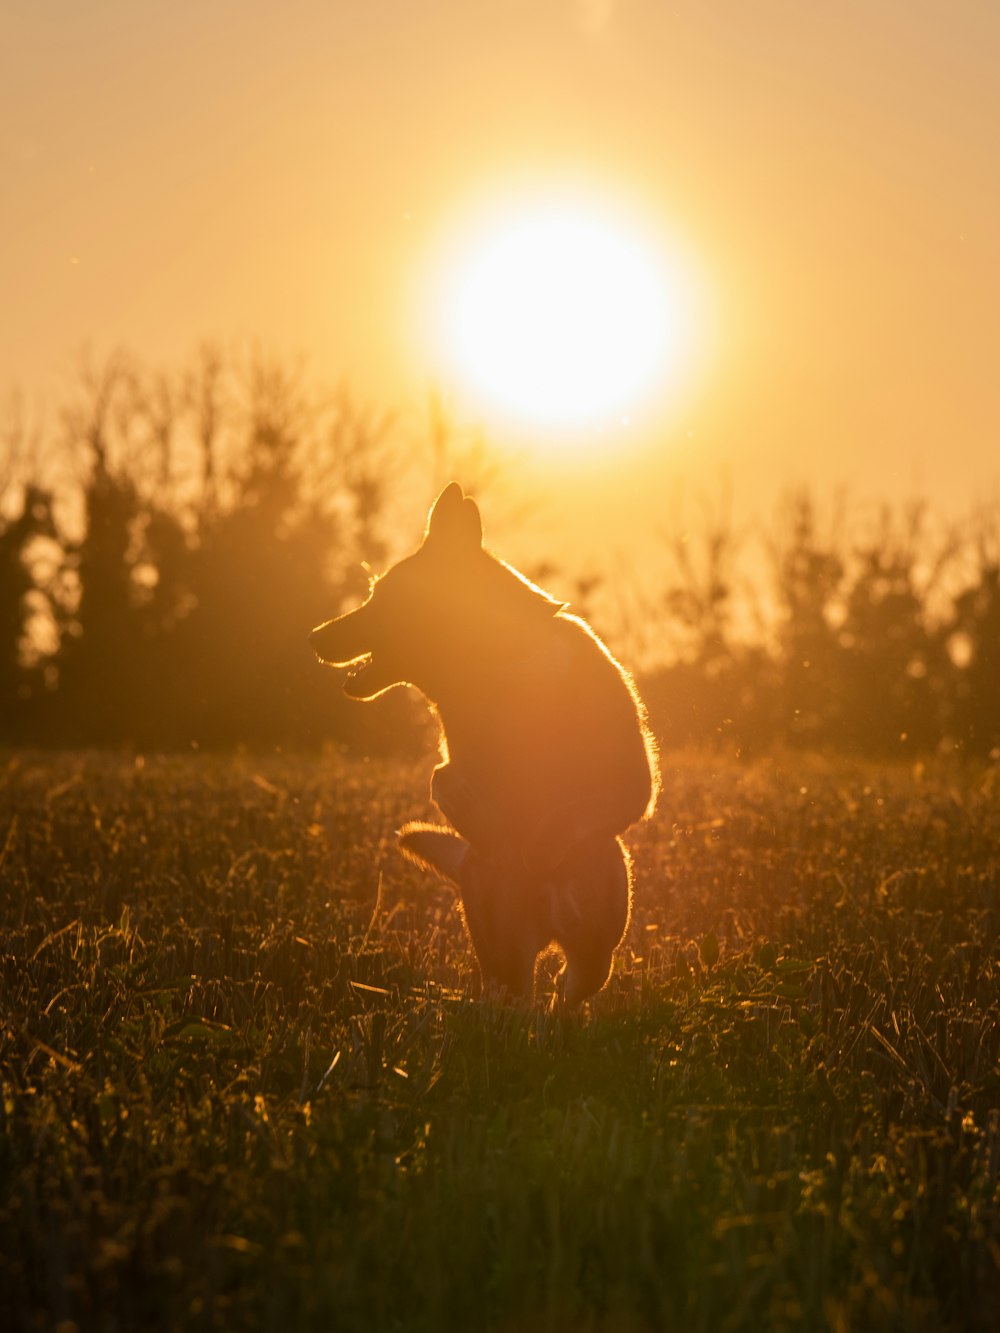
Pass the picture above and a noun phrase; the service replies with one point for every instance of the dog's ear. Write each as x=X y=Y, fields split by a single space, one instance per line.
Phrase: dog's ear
x=455 y=521
x=434 y=848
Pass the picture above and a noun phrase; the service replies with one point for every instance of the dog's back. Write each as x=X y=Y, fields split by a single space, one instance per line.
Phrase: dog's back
x=555 y=746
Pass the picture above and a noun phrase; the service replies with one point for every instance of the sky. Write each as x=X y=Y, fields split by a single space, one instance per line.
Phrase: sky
x=824 y=175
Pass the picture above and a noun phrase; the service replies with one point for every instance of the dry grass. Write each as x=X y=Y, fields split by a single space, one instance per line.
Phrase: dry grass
x=244 y=1085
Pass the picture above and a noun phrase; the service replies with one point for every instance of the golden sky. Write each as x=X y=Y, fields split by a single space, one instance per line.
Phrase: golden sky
x=828 y=172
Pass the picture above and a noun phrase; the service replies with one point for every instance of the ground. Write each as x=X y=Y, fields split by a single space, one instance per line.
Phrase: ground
x=246 y=1083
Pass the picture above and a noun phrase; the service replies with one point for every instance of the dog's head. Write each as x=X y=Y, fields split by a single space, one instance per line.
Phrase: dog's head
x=396 y=636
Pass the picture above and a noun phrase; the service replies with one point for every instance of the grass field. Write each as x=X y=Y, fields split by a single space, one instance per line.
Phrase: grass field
x=245 y=1085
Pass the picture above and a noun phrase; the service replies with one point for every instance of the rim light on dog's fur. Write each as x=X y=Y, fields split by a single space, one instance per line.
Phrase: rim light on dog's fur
x=545 y=756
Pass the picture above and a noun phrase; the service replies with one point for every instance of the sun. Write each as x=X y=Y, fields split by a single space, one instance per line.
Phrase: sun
x=561 y=313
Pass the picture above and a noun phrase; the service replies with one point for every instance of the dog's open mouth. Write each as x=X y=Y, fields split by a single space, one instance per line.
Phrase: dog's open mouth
x=366 y=677
x=368 y=673
x=355 y=680
x=356 y=673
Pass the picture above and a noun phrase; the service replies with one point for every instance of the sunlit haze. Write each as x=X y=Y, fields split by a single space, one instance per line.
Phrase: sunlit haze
x=787 y=269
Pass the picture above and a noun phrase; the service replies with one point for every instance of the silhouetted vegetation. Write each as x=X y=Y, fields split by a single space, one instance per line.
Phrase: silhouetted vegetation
x=865 y=634
x=157 y=589
x=211 y=521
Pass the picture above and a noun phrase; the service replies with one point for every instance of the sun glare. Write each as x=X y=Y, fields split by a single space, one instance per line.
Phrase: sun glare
x=561 y=314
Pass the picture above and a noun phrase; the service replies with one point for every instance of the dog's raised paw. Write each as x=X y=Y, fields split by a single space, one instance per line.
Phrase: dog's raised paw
x=434 y=848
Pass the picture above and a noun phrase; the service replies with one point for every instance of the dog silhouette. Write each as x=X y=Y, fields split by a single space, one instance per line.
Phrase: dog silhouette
x=546 y=758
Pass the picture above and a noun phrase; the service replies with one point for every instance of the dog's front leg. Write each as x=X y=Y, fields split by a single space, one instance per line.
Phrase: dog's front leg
x=506 y=917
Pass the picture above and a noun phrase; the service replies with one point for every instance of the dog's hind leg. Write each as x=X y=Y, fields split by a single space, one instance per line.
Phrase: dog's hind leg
x=505 y=915
x=591 y=899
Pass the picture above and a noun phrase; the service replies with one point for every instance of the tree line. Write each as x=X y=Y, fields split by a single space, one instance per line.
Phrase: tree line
x=869 y=630
x=159 y=590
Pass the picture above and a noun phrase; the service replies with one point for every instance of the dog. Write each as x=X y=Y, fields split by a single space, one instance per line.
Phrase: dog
x=546 y=758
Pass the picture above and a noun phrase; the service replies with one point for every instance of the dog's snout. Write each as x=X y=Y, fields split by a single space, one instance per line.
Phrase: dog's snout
x=319 y=640
x=340 y=640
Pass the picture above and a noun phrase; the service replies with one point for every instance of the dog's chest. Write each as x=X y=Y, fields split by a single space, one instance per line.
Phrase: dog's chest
x=519 y=708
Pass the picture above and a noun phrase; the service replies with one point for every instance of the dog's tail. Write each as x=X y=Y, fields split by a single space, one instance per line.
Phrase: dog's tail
x=434 y=848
